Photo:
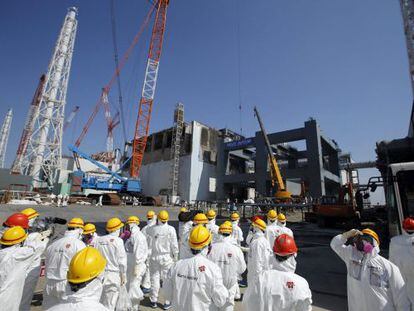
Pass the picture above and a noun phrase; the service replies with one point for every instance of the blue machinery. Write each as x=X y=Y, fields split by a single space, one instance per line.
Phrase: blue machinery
x=115 y=182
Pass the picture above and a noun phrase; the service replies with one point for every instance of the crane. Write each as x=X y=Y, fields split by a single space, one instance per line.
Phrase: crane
x=281 y=194
x=148 y=89
x=70 y=117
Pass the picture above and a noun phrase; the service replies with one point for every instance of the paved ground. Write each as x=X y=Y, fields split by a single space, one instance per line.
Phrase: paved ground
x=324 y=271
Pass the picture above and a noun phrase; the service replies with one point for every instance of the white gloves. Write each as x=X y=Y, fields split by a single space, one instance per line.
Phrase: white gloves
x=351 y=233
x=244 y=249
x=137 y=270
x=46 y=233
x=123 y=279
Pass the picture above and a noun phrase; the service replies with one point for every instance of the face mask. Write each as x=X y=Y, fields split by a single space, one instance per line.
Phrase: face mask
x=87 y=239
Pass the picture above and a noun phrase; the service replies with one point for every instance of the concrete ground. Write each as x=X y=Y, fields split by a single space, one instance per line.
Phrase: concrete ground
x=325 y=272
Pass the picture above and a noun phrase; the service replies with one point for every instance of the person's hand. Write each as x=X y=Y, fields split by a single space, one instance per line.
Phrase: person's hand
x=351 y=233
x=123 y=279
x=137 y=271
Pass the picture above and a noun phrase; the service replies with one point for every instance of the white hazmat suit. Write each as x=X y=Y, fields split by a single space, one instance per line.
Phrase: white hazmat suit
x=137 y=253
x=58 y=257
x=163 y=249
x=86 y=298
x=272 y=232
x=146 y=282
x=258 y=256
x=237 y=233
x=278 y=290
x=39 y=242
x=284 y=229
x=402 y=255
x=112 y=249
x=230 y=259
x=374 y=283
x=195 y=283
x=15 y=261
x=214 y=229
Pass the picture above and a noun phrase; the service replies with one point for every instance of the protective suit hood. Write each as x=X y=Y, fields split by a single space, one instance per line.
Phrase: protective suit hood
x=76 y=233
x=92 y=291
x=289 y=265
x=281 y=224
x=115 y=233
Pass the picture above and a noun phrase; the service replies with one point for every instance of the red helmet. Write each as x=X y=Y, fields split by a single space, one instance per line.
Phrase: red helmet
x=17 y=219
x=408 y=224
x=284 y=245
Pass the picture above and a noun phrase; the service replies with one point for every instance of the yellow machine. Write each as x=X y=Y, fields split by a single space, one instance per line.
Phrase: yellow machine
x=281 y=194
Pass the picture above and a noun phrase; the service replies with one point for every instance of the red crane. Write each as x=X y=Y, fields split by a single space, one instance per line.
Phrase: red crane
x=107 y=88
x=148 y=89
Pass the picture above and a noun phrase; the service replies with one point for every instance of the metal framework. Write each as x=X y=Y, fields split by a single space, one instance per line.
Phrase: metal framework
x=407 y=9
x=17 y=167
x=70 y=118
x=177 y=135
x=148 y=90
x=43 y=156
x=4 y=136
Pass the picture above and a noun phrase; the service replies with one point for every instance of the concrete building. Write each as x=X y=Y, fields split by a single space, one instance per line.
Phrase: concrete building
x=221 y=164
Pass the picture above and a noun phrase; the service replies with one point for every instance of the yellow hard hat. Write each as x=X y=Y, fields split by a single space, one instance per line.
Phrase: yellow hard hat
x=89 y=229
x=86 y=265
x=211 y=214
x=133 y=220
x=163 y=216
x=150 y=214
x=76 y=223
x=259 y=223
x=226 y=227
x=281 y=217
x=371 y=233
x=272 y=214
x=114 y=224
x=199 y=238
x=200 y=218
x=183 y=210
x=30 y=212
x=235 y=216
x=13 y=235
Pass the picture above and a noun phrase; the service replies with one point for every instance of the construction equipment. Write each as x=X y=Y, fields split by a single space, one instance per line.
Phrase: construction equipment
x=148 y=90
x=175 y=149
x=4 y=136
x=42 y=136
x=282 y=194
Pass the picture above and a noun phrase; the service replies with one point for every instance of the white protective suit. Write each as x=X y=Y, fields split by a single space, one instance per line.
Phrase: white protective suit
x=183 y=228
x=163 y=249
x=137 y=253
x=15 y=261
x=86 y=298
x=272 y=232
x=35 y=240
x=258 y=256
x=58 y=257
x=185 y=251
x=402 y=255
x=214 y=229
x=195 y=283
x=284 y=229
x=146 y=282
x=230 y=259
x=278 y=290
x=374 y=283
x=112 y=249
x=237 y=233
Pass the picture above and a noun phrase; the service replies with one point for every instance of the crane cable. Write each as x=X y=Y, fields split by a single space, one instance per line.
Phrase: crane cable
x=115 y=44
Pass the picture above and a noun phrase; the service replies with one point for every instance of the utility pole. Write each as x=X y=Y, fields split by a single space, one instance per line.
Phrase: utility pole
x=43 y=156
x=4 y=136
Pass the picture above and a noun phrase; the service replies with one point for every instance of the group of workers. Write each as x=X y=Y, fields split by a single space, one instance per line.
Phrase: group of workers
x=200 y=269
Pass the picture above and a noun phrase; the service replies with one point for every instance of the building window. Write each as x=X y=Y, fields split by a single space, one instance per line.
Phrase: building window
x=204 y=137
x=158 y=141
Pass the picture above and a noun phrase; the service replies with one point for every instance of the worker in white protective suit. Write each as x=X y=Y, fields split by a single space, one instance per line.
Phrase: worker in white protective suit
x=85 y=282
x=185 y=251
x=259 y=251
x=272 y=229
x=163 y=249
x=112 y=248
x=211 y=225
x=196 y=283
x=15 y=262
x=280 y=288
x=230 y=259
x=151 y=221
x=237 y=233
x=58 y=256
x=181 y=223
x=89 y=235
x=137 y=253
x=281 y=222
x=374 y=283
x=402 y=255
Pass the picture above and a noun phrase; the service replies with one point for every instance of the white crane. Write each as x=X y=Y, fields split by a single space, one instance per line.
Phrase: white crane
x=4 y=136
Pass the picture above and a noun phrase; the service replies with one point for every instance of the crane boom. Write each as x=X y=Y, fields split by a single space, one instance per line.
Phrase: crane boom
x=148 y=90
